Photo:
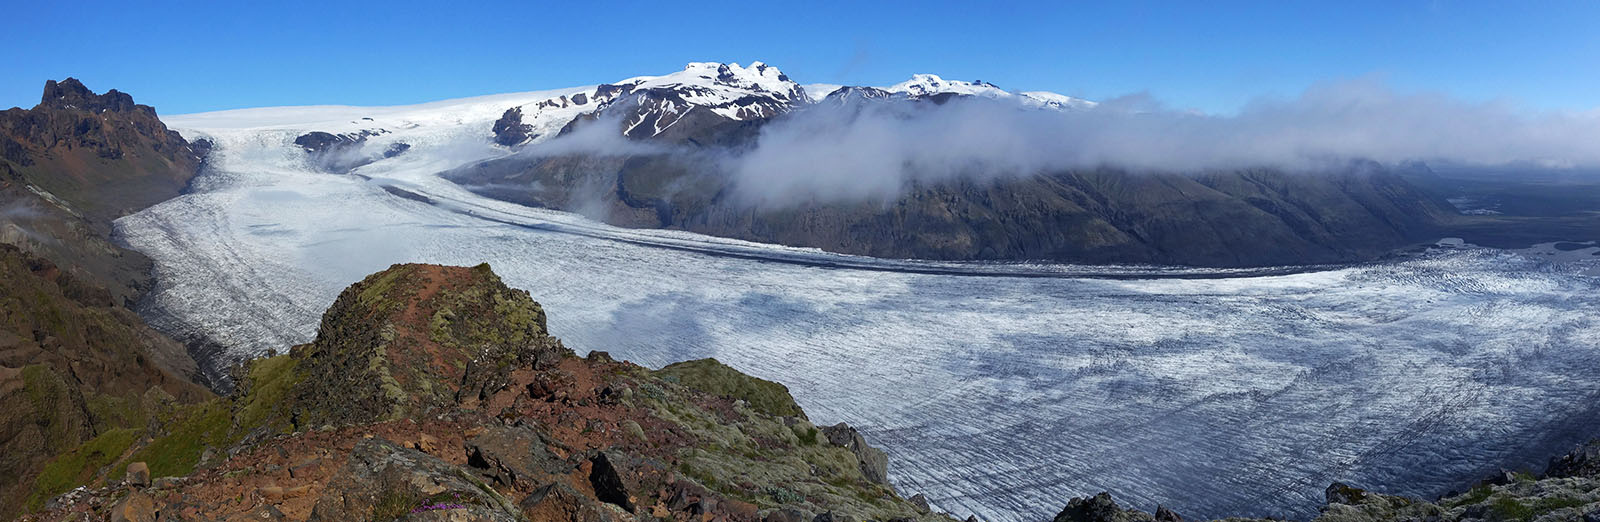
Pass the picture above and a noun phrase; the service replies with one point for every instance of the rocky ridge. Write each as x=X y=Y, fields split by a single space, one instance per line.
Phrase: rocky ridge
x=76 y=364
x=436 y=393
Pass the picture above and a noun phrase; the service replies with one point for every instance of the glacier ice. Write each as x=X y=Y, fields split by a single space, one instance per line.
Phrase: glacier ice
x=996 y=396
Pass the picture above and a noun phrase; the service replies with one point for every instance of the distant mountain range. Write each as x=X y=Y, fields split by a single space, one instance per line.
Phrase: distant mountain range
x=665 y=151
x=1246 y=217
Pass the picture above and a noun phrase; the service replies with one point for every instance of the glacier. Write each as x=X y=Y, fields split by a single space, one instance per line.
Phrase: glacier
x=997 y=390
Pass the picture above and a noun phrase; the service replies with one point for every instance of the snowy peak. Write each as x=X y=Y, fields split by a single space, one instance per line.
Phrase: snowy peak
x=706 y=93
x=921 y=85
x=940 y=89
x=649 y=105
x=851 y=95
x=727 y=79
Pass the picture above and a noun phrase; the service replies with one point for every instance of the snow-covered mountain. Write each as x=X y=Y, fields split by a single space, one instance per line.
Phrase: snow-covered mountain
x=715 y=92
x=649 y=105
x=932 y=86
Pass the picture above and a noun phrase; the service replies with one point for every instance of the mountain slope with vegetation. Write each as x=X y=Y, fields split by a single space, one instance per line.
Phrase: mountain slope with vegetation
x=76 y=364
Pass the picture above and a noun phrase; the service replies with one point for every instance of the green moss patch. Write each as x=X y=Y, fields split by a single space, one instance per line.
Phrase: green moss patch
x=80 y=465
x=711 y=376
x=271 y=380
x=178 y=452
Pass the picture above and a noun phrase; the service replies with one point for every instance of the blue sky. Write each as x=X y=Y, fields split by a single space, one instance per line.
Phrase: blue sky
x=1213 y=56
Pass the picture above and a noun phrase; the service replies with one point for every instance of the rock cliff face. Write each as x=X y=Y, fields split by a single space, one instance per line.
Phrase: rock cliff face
x=77 y=161
x=436 y=392
x=76 y=365
x=103 y=153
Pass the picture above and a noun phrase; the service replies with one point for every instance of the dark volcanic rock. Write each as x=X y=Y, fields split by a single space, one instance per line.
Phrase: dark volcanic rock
x=103 y=154
x=1341 y=493
x=1100 y=508
x=1581 y=462
x=514 y=457
x=509 y=129
x=610 y=482
x=383 y=481
x=342 y=153
x=73 y=95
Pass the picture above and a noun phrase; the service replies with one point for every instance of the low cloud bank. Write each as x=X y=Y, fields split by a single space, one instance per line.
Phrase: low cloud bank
x=875 y=150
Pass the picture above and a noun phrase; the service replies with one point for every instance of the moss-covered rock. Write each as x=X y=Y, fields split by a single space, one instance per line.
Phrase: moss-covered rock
x=414 y=338
x=711 y=376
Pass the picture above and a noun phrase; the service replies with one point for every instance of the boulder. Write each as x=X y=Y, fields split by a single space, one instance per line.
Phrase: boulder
x=1341 y=493
x=610 y=482
x=136 y=507
x=920 y=502
x=512 y=457
x=559 y=502
x=383 y=480
x=874 y=463
x=1101 y=508
x=138 y=475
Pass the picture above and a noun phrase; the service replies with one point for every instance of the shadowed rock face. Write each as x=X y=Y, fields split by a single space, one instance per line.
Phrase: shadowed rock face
x=77 y=161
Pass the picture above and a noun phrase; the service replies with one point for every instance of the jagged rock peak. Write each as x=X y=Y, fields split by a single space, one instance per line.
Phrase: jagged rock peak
x=73 y=94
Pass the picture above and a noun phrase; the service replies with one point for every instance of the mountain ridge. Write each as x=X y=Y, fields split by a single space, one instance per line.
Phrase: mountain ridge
x=76 y=363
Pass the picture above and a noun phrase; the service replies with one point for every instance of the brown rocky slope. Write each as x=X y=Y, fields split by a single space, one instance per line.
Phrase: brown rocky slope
x=436 y=393
x=76 y=364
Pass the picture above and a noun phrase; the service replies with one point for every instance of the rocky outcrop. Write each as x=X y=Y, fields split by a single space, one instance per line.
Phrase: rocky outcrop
x=383 y=481
x=436 y=392
x=416 y=338
x=874 y=463
x=102 y=153
x=1101 y=508
x=342 y=153
x=509 y=130
x=1581 y=462
x=1570 y=490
